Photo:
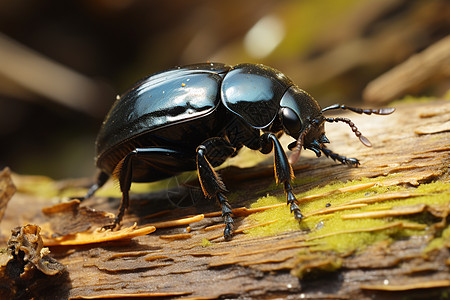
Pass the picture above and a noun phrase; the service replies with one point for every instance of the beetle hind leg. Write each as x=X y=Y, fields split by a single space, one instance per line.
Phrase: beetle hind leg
x=124 y=173
x=213 y=187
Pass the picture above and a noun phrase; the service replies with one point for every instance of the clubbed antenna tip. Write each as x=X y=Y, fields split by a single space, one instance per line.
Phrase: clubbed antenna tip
x=365 y=141
x=368 y=111
x=386 y=111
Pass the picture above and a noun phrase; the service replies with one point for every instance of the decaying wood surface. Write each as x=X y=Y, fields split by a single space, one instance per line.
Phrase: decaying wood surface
x=412 y=144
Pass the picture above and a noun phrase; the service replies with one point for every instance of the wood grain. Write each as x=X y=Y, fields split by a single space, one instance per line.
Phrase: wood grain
x=177 y=263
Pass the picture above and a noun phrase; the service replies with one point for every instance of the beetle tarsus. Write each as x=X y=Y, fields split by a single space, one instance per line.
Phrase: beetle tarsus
x=118 y=219
x=111 y=226
x=292 y=201
x=353 y=162
x=226 y=215
x=228 y=232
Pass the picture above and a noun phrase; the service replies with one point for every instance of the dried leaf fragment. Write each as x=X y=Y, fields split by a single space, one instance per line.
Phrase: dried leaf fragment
x=29 y=270
x=27 y=239
x=69 y=218
x=99 y=236
x=178 y=222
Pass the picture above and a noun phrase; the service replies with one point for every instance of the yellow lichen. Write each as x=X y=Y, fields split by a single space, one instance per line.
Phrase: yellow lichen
x=439 y=242
x=206 y=243
x=332 y=232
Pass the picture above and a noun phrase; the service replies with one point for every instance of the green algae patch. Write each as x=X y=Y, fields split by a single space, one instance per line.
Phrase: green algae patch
x=284 y=219
x=206 y=242
x=343 y=236
x=267 y=200
x=439 y=242
x=331 y=232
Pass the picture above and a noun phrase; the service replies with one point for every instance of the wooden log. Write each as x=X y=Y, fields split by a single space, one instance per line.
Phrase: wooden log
x=327 y=256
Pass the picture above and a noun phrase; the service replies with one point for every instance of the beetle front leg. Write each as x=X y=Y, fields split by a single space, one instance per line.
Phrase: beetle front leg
x=213 y=187
x=283 y=170
x=353 y=162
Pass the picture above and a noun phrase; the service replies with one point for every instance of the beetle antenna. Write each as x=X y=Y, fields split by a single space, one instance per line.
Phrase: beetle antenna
x=293 y=158
x=367 y=111
x=352 y=125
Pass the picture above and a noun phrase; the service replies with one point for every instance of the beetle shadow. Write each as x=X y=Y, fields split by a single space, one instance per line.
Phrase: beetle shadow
x=184 y=197
x=178 y=201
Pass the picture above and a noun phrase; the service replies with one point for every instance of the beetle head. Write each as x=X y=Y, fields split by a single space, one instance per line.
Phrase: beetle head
x=302 y=119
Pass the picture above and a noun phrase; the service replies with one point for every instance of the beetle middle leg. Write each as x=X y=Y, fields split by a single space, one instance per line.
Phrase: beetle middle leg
x=212 y=185
x=283 y=170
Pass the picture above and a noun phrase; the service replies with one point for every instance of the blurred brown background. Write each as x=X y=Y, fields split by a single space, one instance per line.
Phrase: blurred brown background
x=63 y=62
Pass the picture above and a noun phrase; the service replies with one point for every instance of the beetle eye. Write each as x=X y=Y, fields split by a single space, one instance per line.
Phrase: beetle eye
x=290 y=120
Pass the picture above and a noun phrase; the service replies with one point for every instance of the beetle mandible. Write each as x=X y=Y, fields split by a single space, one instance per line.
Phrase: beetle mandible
x=197 y=116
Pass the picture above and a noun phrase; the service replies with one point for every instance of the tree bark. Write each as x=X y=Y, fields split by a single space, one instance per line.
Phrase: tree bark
x=410 y=150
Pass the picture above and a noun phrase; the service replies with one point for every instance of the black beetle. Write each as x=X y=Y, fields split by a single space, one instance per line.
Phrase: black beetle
x=195 y=117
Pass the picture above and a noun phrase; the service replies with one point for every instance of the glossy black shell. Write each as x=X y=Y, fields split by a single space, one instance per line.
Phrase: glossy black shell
x=181 y=108
x=155 y=103
x=253 y=92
